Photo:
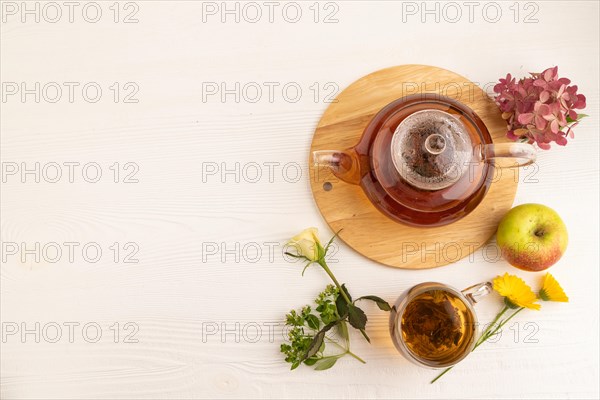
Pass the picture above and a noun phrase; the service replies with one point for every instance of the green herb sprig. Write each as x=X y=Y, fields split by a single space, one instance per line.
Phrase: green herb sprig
x=310 y=332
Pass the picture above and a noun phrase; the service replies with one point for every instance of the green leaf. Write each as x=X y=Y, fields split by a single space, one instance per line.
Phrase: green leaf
x=328 y=315
x=356 y=317
x=325 y=363
x=331 y=240
x=294 y=255
x=320 y=251
x=311 y=361
x=295 y=365
x=306 y=266
x=346 y=291
x=313 y=322
x=381 y=303
x=340 y=302
x=315 y=345
x=343 y=330
x=579 y=116
x=317 y=341
x=342 y=306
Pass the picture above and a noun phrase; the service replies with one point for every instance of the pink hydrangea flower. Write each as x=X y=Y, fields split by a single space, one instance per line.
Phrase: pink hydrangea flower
x=541 y=108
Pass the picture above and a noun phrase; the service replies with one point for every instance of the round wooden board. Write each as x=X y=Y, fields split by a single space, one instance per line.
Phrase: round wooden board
x=346 y=207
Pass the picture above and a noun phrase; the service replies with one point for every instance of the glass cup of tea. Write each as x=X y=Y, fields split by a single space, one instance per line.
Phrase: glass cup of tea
x=434 y=325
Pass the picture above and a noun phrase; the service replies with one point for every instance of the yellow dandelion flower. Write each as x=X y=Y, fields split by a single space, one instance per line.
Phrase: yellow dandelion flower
x=515 y=291
x=551 y=290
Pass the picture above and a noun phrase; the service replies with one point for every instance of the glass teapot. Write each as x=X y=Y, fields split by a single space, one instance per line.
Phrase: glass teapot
x=424 y=160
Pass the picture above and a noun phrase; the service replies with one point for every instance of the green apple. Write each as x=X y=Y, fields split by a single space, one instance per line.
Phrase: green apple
x=532 y=237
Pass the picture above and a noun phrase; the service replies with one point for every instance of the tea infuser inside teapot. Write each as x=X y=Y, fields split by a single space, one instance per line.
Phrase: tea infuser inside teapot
x=431 y=149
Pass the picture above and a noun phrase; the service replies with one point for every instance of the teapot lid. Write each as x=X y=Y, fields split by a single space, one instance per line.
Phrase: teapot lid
x=431 y=149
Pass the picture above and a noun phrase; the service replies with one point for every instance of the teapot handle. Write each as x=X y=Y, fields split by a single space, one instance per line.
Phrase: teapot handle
x=344 y=164
x=507 y=155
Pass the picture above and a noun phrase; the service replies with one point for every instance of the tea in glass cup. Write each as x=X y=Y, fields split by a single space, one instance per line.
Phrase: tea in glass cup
x=435 y=325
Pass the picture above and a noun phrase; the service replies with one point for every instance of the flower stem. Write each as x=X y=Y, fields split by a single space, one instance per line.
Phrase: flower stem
x=492 y=333
x=485 y=334
x=505 y=309
x=357 y=357
x=488 y=333
x=346 y=350
x=323 y=264
x=442 y=374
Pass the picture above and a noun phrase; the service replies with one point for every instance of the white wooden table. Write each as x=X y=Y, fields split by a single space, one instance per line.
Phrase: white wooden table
x=163 y=277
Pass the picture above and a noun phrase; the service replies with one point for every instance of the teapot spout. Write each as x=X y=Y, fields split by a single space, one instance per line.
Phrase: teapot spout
x=344 y=164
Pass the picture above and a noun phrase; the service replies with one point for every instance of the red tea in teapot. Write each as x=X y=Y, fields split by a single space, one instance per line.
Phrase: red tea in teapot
x=424 y=160
x=427 y=175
